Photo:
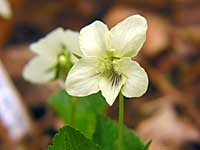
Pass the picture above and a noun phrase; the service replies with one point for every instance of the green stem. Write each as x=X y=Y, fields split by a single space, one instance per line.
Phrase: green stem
x=73 y=110
x=121 y=122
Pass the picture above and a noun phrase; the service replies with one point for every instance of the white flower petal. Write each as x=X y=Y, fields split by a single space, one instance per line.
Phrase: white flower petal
x=72 y=42
x=137 y=80
x=5 y=10
x=94 y=39
x=36 y=70
x=128 y=36
x=51 y=45
x=110 y=91
x=83 y=78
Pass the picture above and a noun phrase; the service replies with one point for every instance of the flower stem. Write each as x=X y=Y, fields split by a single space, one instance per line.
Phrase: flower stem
x=121 y=122
x=73 y=110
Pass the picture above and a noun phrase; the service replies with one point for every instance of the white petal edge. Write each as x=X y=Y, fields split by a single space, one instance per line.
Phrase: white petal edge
x=108 y=91
x=51 y=45
x=72 y=42
x=128 y=36
x=136 y=78
x=35 y=70
x=83 y=78
x=94 y=39
x=5 y=9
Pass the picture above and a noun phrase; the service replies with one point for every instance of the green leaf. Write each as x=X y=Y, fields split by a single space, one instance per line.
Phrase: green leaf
x=106 y=135
x=61 y=102
x=87 y=108
x=94 y=103
x=70 y=139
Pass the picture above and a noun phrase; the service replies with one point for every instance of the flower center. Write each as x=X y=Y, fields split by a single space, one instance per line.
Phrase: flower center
x=111 y=72
x=63 y=64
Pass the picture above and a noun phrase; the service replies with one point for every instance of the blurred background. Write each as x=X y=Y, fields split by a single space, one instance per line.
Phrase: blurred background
x=169 y=113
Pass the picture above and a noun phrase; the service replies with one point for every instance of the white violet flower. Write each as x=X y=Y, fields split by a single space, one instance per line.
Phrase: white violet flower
x=5 y=9
x=106 y=65
x=53 y=59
